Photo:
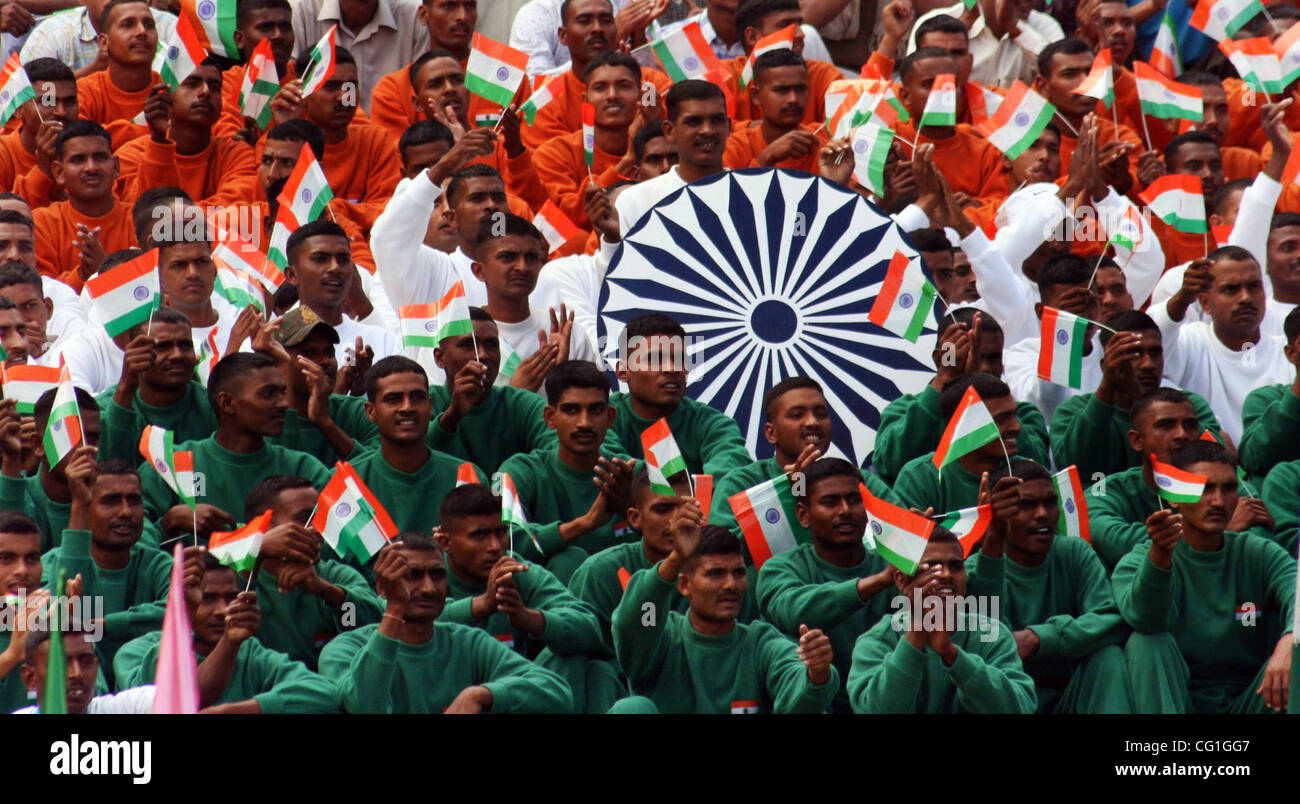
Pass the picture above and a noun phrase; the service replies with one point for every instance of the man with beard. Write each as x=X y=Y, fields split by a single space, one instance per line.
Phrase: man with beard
x=777 y=137
x=255 y=20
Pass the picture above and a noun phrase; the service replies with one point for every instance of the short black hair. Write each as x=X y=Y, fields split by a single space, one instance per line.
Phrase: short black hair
x=784 y=387
x=1234 y=253
x=613 y=58
x=1197 y=137
x=1201 y=452
x=48 y=69
x=782 y=57
x=751 y=13
x=650 y=131
x=244 y=8
x=112 y=6
x=1199 y=78
x=14 y=216
x=1063 y=269
x=692 y=89
x=170 y=315
x=574 y=374
x=1282 y=220
x=393 y=364
x=908 y=64
x=299 y=129
x=115 y=466
x=931 y=240
x=1127 y=321
x=413 y=70
x=318 y=227
x=985 y=384
x=823 y=468
x=493 y=228
x=714 y=541
x=941 y=23
x=262 y=496
x=18 y=273
x=142 y=211
x=39 y=636
x=641 y=481
x=83 y=127
x=423 y=132
x=19 y=523
x=233 y=367
x=45 y=402
x=471 y=499
x=116 y=258
x=966 y=315
x=564 y=10
x=1023 y=468
x=1145 y=401
x=1070 y=46
x=1291 y=325
x=475 y=171
x=1226 y=190
x=648 y=325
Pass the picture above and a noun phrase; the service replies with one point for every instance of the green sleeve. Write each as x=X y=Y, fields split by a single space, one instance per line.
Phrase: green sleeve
x=722 y=447
x=1144 y=593
x=1271 y=429
x=312 y=469
x=1098 y=625
x=1033 y=443
x=787 y=600
x=877 y=486
x=720 y=512
x=571 y=625
x=459 y=611
x=439 y=438
x=542 y=539
x=518 y=686
x=1204 y=413
x=291 y=689
x=909 y=427
x=368 y=607
x=884 y=679
x=986 y=575
x=1283 y=503
x=1280 y=569
x=1114 y=532
x=73 y=559
x=13 y=497
x=641 y=636
x=158 y=496
x=531 y=425
x=539 y=542
x=1086 y=433
x=597 y=592
x=917 y=485
x=363 y=670
x=994 y=684
x=119 y=437
x=786 y=676
x=134 y=663
x=152 y=584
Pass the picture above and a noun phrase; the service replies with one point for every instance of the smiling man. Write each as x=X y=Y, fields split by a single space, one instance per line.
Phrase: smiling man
x=79 y=685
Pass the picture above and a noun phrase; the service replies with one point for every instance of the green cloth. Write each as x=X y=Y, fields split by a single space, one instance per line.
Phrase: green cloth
x=509 y=421
x=380 y=675
x=911 y=426
x=920 y=485
x=1161 y=680
x=710 y=441
x=135 y=597
x=188 y=420
x=224 y=478
x=684 y=671
x=27 y=495
x=13 y=692
x=1199 y=601
x=1281 y=495
x=1093 y=435
x=1270 y=428
x=298 y=624
x=280 y=685
x=1067 y=602
x=890 y=676
x=348 y=412
x=798 y=588
x=552 y=493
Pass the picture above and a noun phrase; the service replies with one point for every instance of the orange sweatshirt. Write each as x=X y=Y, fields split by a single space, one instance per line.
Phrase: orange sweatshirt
x=56 y=228
x=1245 y=126
x=392 y=103
x=563 y=115
x=1180 y=246
x=562 y=167
x=232 y=119
x=225 y=172
x=746 y=143
x=520 y=173
x=363 y=169
x=100 y=100
x=820 y=76
x=1106 y=133
x=970 y=163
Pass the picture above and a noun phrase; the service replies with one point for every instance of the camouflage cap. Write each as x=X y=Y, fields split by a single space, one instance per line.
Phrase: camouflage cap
x=298 y=323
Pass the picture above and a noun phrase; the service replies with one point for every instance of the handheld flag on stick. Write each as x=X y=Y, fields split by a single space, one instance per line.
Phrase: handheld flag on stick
x=63 y=432
x=1165 y=56
x=321 y=63
x=663 y=459
x=350 y=518
x=685 y=53
x=1176 y=485
x=512 y=512
x=588 y=135
x=871 y=145
x=906 y=299
x=1020 y=118
x=1062 y=337
x=1165 y=98
x=900 y=535
x=555 y=226
x=306 y=192
x=968 y=525
x=970 y=428
x=239 y=549
x=1177 y=200
x=1256 y=63
x=1073 y=517
x=542 y=96
x=494 y=71
x=26 y=383
x=1100 y=81
x=127 y=294
x=465 y=474
x=176 y=468
x=780 y=40
x=261 y=82
x=941 y=104
x=213 y=22
x=428 y=324
x=177 y=58
x=766 y=517
x=176 y=679
x=15 y=88
x=1221 y=19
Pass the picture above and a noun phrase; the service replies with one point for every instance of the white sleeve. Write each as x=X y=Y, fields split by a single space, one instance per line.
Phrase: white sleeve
x=1142 y=268
x=1021 y=237
x=912 y=218
x=535 y=33
x=1176 y=347
x=411 y=273
x=133 y=701
x=1007 y=295
x=1254 y=219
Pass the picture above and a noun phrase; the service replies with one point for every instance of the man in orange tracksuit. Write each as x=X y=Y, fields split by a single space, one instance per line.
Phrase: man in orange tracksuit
x=753 y=22
x=113 y=97
x=26 y=154
x=256 y=20
x=778 y=138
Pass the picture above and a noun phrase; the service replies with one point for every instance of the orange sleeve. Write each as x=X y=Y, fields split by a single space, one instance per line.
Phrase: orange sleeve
x=552 y=121
x=236 y=174
x=992 y=180
x=521 y=176
x=90 y=99
x=739 y=152
x=231 y=119
x=391 y=104
x=54 y=233
x=820 y=77
x=382 y=172
x=120 y=132
x=518 y=206
x=563 y=170
x=36 y=187
x=1242 y=163
x=1244 y=126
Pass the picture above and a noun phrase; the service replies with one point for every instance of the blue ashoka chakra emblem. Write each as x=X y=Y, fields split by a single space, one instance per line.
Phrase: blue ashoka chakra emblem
x=173 y=53
x=1221 y=12
x=875 y=528
x=4 y=96
x=1062 y=337
x=306 y=194
x=691 y=63
x=1166 y=482
x=140 y=293
x=342 y=509
x=430 y=326
x=1069 y=506
x=1169 y=95
x=860 y=146
x=1021 y=119
x=160 y=465
x=57 y=425
x=502 y=73
x=772 y=516
x=905 y=300
x=206 y=9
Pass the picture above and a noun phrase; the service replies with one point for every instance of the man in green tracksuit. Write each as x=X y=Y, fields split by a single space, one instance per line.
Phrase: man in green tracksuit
x=1163 y=421
x=573 y=492
x=922 y=486
x=1207 y=604
x=1270 y=416
x=236 y=674
x=478 y=421
x=305 y=600
x=652 y=362
x=1091 y=430
x=799 y=425
x=1054 y=595
x=157 y=387
x=934 y=655
x=406 y=665
x=911 y=425
x=20 y=575
x=835 y=583
x=248 y=395
x=704 y=661
x=520 y=603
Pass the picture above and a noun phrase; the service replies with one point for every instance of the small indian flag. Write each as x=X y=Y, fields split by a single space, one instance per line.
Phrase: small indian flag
x=1221 y=19
x=27 y=383
x=1176 y=485
x=1100 y=81
x=1164 y=98
x=1287 y=48
x=1073 y=518
x=589 y=134
x=239 y=549
x=555 y=225
x=871 y=145
x=905 y=301
x=970 y=428
x=239 y=253
x=853 y=111
x=512 y=510
x=766 y=517
x=663 y=459
x=214 y=23
x=1256 y=63
x=1128 y=231
x=1177 y=200
x=888 y=109
x=487 y=119
x=543 y=95
x=209 y=357
x=494 y=71
x=181 y=55
x=350 y=518
x=238 y=287
x=15 y=88
x=968 y=525
x=284 y=226
x=1060 y=350
x=428 y=324
x=510 y=361
x=842 y=91
x=261 y=82
x=982 y=102
x=321 y=62
x=744 y=707
x=466 y=474
x=900 y=535
x=685 y=53
x=63 y=432
x=1165 y=57
x=941 y=104
x=127 y=294
x=176 y=468
x=780 y=40
x=307 y=192
x=1020 y=118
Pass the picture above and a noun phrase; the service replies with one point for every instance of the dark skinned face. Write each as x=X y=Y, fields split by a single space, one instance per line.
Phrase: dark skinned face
x=1218 y=500
x=1164 y=427
x=834 y=513
x=402 y=408
x=1034 y=526
x=474 y=544
x=800 y=418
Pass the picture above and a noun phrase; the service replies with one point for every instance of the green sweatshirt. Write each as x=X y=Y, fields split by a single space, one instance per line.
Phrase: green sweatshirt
x=280 y=685
x=228 y=476
x=920 y=485
x=1200 y=601
x=1093 y=435
x=553 y=493
x=1066 y=601
x=509 y=421
x=753 y=668
x=890 y=676
x=135 y=597
x=26 y=494
x=1281 y=494
x=298 y=624
x=911 y=426
x=381 y=675
x=798 y=588
x=571 y=626
x=348 y=412
x=411 y=498
x=1270 y=419
x=710 y=441
x=13 y=692
x=190 y=419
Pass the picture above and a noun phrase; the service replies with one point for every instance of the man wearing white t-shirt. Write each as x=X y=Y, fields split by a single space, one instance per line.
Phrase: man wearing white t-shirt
x=83 y=669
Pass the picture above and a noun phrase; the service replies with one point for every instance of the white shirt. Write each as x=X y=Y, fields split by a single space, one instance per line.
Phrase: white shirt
x=1275 y=312
x=69 y=37
x=1000 y=62
x=383 y=315
x=536 y=32
x=93 y=359
x=64 y=324
x=133 y=701
x=1021 y=375
x=392 y=39
x=384 y=342
x=521 y=339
